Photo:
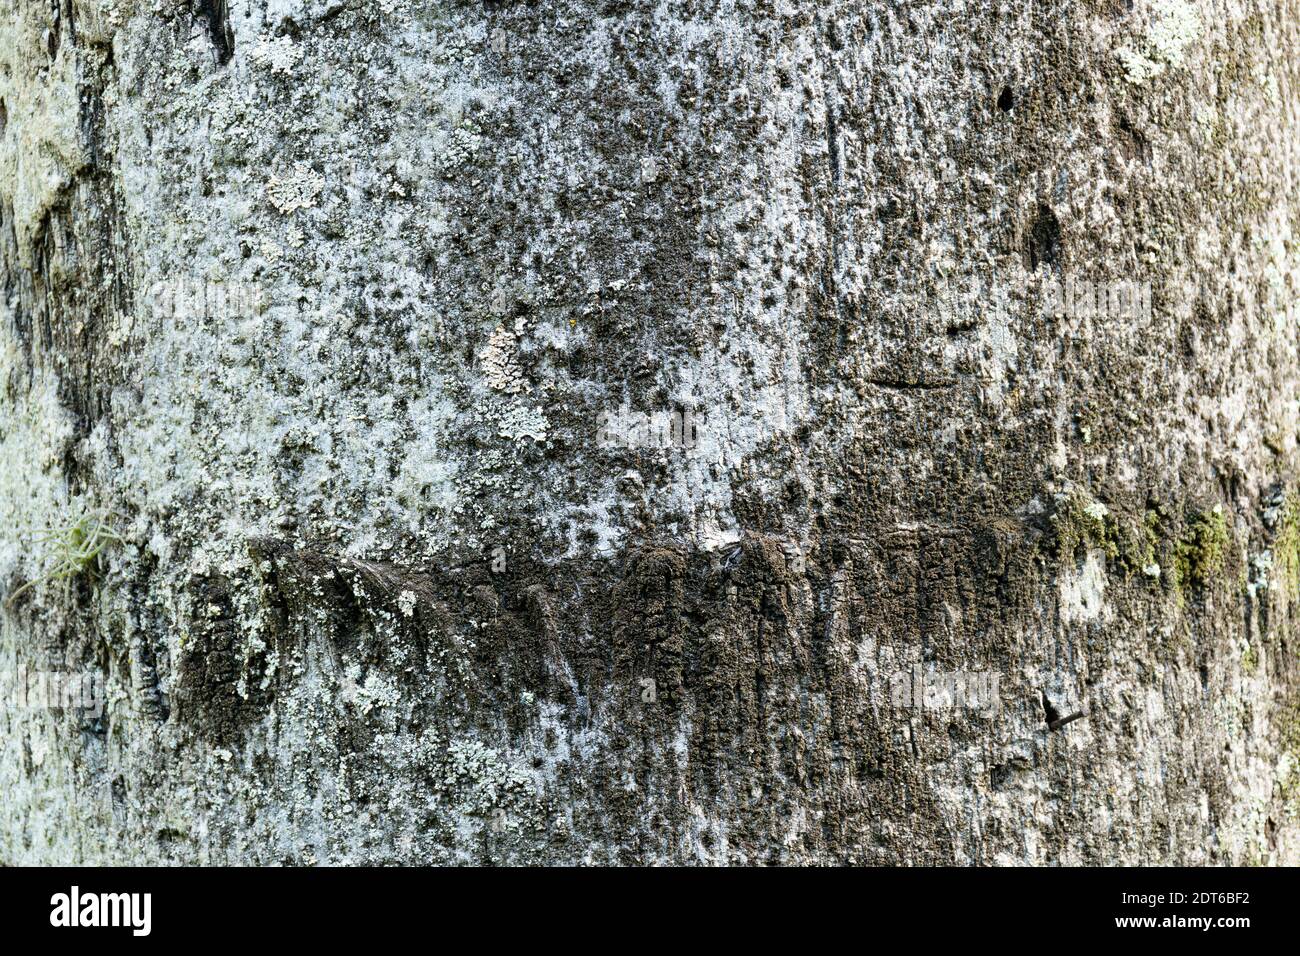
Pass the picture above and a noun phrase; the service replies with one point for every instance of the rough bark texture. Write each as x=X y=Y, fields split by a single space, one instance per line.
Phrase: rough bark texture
x=382 y=592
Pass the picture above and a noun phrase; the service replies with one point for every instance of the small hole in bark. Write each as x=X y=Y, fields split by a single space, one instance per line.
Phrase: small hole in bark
x=833 y=37
x=1006 y=100
x=1048 y=710
x=4 y=117
x=216 y=14
x=288 y=27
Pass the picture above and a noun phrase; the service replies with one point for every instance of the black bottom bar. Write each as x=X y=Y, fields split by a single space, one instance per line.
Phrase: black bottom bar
x=609 y=908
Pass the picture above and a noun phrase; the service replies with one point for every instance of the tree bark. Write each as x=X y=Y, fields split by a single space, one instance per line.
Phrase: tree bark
x=604 y=432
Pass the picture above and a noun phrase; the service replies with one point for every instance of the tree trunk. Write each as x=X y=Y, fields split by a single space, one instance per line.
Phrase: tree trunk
x=703 y=432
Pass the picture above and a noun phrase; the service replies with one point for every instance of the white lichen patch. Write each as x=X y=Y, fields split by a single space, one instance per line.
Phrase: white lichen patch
x=1083 y=591
x=377 y=691
x=461 y=146
x=520 y=421
x=277 y=54
x=1096 y=510
x=511 y=418
x=406 y=603
x=297 y=190
x=500 y=366
x=119 y=329
x=482 y=779
x=1172 y=26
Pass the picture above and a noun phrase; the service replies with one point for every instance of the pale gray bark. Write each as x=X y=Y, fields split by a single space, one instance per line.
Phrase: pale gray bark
x=395 y=584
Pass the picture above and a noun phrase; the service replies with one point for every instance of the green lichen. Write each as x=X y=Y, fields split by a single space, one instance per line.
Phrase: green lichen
x=1130 y=546
x=1202 y=550
x=1285 y=519
x=1079 y=523
x=1137 y=544
x=1148 y=546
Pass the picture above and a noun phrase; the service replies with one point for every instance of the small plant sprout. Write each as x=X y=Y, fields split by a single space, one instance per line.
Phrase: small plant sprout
x=74 y=549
